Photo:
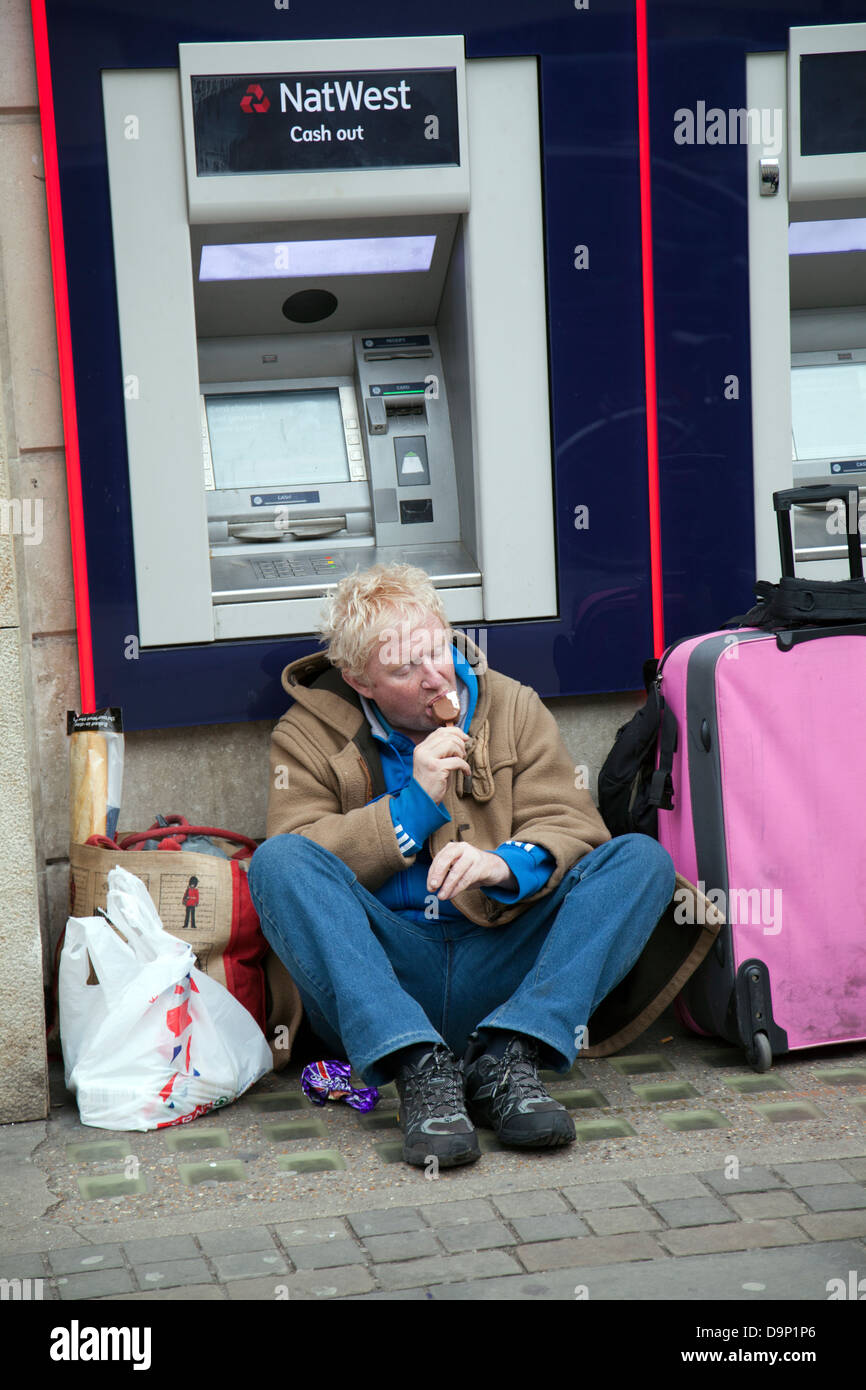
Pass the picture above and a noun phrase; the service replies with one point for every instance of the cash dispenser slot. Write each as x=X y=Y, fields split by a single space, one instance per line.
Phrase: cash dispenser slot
x=313 y=528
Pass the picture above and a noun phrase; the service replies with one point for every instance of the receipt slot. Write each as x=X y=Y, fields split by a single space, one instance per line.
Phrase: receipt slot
x=331 y=354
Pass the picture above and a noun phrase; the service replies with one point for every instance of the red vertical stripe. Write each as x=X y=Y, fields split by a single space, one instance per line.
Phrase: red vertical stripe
x=649 y=330
x=64 y=355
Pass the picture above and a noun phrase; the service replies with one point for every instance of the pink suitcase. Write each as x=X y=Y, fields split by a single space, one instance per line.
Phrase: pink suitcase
x=769 y=820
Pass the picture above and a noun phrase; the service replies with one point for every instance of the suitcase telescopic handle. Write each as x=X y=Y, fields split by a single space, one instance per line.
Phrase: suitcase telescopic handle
x=817 y=492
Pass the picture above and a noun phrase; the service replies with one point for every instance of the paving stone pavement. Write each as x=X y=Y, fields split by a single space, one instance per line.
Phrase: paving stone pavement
x=683 y=1184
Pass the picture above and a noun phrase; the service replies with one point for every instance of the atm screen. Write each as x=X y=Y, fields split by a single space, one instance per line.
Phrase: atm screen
x=832 y=103
x=277 y=438
x=828 y=407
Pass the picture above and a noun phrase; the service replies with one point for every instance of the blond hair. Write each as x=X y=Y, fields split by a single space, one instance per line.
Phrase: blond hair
x=366 y=603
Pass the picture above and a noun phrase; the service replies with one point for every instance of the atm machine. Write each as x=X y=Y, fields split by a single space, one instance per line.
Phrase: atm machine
x=807 y=220
x=330 y=358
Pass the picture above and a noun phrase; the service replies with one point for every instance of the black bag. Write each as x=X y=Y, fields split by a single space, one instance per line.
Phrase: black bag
x=806 y=603
x=810 y=602
x=631 y=788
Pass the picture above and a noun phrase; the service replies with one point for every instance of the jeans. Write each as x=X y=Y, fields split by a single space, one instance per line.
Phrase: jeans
x=372 y=982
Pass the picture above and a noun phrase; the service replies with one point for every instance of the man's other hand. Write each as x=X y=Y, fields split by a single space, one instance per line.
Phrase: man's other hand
x=436 y=757
x=459 y=866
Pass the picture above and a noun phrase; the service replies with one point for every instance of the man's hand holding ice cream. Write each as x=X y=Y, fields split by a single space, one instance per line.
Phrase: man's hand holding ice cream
x=441 y=752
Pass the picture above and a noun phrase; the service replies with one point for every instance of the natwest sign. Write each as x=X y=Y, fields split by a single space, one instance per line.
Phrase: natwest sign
x=281 y=122
x=346 y=95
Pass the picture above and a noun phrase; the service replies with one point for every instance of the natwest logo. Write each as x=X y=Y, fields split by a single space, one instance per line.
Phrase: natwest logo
x=261 y=102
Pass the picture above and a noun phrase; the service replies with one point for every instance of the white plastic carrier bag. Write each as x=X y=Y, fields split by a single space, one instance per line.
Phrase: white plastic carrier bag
x=152 y=1042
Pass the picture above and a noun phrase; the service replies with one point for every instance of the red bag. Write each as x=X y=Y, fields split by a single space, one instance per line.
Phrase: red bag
x=227 y=939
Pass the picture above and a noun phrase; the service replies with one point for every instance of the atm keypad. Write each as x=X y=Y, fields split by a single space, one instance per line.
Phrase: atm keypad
x=296 y=567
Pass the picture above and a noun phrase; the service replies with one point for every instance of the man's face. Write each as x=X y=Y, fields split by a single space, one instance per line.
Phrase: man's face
x=409 y=669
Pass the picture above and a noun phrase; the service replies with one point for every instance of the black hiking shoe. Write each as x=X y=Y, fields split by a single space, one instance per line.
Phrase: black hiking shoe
x=433 y=1113
x=504 y=1094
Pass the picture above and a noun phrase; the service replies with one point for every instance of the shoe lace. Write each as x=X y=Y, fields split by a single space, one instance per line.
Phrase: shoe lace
x=519 y=1073
x=436 y=1087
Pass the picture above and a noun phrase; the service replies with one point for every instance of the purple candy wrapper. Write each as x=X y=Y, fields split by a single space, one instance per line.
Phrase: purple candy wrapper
x=323 y=1081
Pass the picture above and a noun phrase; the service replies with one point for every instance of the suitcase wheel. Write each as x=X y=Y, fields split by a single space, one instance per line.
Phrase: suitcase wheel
x=760 y=1055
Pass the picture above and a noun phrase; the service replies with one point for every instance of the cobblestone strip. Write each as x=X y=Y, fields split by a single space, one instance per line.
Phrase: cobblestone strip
x=412 y=1251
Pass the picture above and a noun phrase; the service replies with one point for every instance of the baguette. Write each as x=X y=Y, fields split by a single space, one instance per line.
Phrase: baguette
x=88 y=786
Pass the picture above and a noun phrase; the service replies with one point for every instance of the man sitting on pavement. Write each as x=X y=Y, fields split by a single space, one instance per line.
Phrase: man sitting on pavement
x=448 y=902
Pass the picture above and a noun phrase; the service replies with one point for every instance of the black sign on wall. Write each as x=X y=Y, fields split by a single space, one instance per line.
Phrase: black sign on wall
x=283 y=122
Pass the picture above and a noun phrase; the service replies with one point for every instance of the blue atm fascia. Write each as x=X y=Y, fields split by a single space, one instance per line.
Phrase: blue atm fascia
x=589 y=123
